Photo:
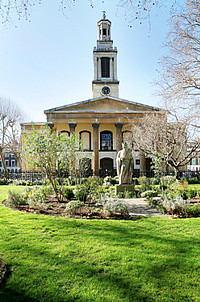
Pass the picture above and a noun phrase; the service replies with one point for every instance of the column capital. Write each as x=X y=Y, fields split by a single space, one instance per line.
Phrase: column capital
x=95 y=125
x=72 y=126
x=119 y=125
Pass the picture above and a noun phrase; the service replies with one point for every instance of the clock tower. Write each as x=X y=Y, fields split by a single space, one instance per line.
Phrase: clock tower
x=105 y=62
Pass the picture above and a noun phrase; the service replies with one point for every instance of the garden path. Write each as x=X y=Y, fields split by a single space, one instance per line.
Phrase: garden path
x=139 y=207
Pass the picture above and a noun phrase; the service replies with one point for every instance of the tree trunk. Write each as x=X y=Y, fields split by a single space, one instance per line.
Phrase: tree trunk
x=4 y=164
x=176 y=173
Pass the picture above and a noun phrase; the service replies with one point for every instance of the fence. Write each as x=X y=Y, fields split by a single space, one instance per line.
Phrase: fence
x=38 y=176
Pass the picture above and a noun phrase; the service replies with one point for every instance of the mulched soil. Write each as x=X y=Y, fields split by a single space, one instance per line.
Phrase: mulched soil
x=2 y=270
x=54 y=208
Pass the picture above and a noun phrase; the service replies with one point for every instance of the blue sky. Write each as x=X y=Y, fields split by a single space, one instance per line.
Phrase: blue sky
x=48 y=62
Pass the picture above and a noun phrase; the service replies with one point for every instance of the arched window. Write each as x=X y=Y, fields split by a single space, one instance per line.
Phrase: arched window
x=85 y=138
x=106 y=141
x=64 y=132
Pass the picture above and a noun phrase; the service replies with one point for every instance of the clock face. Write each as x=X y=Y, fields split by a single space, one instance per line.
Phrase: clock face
x=105 y=90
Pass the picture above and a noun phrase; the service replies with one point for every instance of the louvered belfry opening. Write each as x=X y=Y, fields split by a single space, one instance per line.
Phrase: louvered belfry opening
x=105 y=67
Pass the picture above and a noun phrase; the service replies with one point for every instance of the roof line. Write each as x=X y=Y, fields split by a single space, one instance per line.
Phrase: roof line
x=96 y=99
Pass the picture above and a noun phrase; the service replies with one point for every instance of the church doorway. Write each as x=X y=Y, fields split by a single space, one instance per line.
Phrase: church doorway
x=106 y=166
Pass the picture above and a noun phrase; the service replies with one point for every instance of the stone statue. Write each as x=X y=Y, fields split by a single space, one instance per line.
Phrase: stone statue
x=125 y=165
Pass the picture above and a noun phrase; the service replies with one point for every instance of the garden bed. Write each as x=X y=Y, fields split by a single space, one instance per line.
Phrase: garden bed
x=54 y=208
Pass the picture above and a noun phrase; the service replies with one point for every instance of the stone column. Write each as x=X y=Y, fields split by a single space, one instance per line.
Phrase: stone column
x=119 y=126
x=142 y=163
x=72 y=126
x=99 y=68
x=95 y=126
x=111 y=69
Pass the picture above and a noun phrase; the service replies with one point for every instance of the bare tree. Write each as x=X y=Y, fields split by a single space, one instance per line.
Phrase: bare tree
x=180 y=79
x=134 y=9
x=10 y=116
x=165 y=142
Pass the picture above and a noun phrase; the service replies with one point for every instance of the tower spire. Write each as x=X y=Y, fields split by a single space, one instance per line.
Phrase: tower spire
x=105 y=62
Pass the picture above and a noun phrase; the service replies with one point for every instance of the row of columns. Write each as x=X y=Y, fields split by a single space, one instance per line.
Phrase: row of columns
x=95 y=126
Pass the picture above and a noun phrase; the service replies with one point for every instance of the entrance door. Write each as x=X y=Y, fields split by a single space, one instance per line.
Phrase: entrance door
x=106 y=165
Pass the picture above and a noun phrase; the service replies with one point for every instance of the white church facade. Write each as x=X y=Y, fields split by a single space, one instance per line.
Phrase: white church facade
x=104 y=121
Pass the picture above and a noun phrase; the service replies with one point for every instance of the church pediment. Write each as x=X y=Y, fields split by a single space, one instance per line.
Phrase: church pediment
x=103 y=105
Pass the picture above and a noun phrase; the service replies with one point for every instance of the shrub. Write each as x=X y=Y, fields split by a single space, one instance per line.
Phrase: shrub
x=15 y=199
x=81 y=192
x=37 y=194
x=3 y=181
x=175 y=205
x=145 y=183
x=111 y=204
x=194 y=210
x=155 y=181
x=192 y=193
x=148 y=194
x=73 y=206
x=194 y=180
x=90 y=189
x=111 y=180
x=177 y=189
x=135 y=181
x=68 y=193
x=168 y=180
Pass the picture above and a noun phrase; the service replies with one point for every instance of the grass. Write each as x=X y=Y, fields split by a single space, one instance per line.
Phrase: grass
x=58 y=259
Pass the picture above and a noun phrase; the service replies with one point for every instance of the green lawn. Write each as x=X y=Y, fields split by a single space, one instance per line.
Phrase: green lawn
x=59 y=259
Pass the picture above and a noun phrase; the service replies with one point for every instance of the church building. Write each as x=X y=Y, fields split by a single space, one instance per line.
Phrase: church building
x=103 y=122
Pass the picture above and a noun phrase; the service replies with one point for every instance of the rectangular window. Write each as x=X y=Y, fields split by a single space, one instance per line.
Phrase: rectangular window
x=12 y=163
x=105 y=67
x=104 y=31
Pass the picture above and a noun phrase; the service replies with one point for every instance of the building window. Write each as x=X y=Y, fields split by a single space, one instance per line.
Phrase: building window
x=85 y=138
x=12 y=163
x=104 y=31
x=105 y=67
x=106 y=141
x=7 y=163
x=137 y=162
x=0 y=164
x=64 y=132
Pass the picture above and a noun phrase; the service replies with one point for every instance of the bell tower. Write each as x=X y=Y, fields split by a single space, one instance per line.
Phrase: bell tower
x=105 y=62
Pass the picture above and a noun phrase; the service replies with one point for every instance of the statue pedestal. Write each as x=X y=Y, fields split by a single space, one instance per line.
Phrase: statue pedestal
x=124 y=188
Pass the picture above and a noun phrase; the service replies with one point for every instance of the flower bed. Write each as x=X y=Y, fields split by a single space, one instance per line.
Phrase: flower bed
x=35 y=201
x=177 y=206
